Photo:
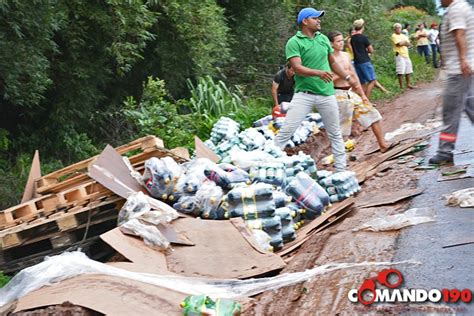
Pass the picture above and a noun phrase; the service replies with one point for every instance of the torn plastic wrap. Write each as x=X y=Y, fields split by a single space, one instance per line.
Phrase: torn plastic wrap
x=150 y=234
x=133 y=215
x=70 y=264
x=136 y=205
x=413 y=216
x=209 y=197
x=158 y=179
x=188 y=205
x=462 y=198
x=308 y=194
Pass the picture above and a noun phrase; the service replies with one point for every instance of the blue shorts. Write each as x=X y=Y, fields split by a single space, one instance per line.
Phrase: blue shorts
x=365 y=72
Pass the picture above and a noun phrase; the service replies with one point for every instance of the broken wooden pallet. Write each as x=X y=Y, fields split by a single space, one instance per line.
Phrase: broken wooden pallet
x=44 y=228
x=137 y=161
x=75 y=173
x=52 y=203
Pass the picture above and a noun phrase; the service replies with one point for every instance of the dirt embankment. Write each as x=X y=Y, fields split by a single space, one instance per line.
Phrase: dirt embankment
x=327 y=294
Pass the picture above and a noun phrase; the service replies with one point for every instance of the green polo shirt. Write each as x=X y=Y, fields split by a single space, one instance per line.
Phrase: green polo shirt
x=314 y=54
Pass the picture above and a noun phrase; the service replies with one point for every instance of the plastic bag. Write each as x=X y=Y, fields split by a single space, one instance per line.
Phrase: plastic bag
x=462 y=198
x=308 y=194
x=262 y=239
x=136 y=205
x=413 y=216
x=188 y=205
x=209 y=197
x=150 y=234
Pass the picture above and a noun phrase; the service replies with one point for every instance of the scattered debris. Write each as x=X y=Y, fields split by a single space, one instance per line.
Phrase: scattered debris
x=385 y=198
x=459 y=243
x=413 y=216
x=456 y=172
x=462 y=198
x=410 y=127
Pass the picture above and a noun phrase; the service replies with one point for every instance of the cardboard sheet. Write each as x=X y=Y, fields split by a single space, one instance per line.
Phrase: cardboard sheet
x=220 y=252
x=107 y=295
x=35 y=173
x=135 y=250
x=202 y=151
x=384 y=198
x=324 y=220
x=110 y=170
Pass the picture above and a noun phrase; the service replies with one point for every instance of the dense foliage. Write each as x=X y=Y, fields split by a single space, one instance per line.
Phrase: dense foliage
x=75 y=75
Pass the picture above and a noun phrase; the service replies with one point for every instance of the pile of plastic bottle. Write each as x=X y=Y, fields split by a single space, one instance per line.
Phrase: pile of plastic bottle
x=274 y=193
x=340 y=185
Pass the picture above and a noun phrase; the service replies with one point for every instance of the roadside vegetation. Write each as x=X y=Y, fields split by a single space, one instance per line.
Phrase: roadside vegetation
x=167 y=68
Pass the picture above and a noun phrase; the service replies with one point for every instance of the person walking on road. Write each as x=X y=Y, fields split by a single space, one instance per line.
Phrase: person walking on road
x=352 y=104
x=311 y=56
x=457 y=49
x=362 y=48
x=434 y=42
x=403 y=65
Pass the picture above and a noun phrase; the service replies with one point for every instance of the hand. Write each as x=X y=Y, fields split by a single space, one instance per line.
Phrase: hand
x=465 y=68
x=326 y=76
x=365 y=100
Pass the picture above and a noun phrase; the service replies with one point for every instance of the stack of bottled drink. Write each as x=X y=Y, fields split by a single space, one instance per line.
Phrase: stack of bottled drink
x=302 y=133
x=308 y=194
x=264 y=121
x=316 y=118
x=160 y=177
x=224 y=129
x=340 y=185
x=297 y=163
x=268 y=172
x=252 y=138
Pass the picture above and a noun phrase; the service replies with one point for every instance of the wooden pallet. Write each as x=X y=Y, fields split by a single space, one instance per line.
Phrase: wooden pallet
x=77 y=173
x=52 y=203
x=58 y=222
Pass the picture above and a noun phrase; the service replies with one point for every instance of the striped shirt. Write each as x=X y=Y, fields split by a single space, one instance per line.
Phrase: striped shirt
x=459 y=15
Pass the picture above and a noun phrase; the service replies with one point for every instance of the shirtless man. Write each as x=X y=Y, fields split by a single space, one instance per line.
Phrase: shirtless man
x=351 y=104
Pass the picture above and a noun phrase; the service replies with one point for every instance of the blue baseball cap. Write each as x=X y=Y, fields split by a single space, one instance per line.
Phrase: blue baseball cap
x=309 y=13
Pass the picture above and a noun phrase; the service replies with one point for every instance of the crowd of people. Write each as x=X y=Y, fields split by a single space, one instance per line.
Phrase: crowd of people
x=335 y=76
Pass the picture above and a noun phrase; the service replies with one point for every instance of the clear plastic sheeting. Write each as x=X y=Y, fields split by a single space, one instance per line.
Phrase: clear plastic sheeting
x=136 y=205
x=134 y=216
x=70 y=264
x=413 y=216
x=411 y=127
x=150 y=234
x=462 y=198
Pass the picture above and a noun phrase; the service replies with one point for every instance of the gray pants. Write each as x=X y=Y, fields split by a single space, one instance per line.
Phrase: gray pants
x=458 y=97
x=302 y=104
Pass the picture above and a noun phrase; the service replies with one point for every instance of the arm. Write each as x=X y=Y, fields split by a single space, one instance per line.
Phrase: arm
x=370 y=49
x=349 y=46
x=460 y=36
x=275 y=92
x=308 y=72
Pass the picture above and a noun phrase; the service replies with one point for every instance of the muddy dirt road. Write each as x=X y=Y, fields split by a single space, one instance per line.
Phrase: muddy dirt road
x=327 y=295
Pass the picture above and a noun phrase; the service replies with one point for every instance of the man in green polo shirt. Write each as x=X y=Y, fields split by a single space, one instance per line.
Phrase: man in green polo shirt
x=310 y=55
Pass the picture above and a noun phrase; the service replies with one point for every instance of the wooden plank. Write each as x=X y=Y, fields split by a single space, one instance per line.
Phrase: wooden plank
x=363 y=168
x=202 y=151
x=35 y=173
x=387 y=197
x=181 y=152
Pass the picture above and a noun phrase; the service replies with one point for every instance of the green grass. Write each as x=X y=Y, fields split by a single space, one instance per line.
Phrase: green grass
x=4 y=279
